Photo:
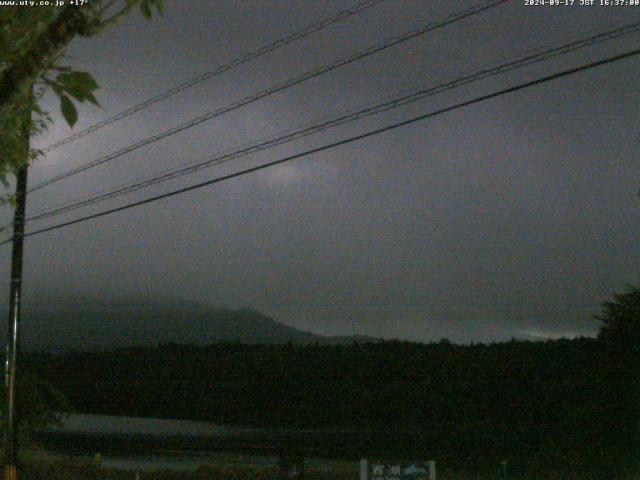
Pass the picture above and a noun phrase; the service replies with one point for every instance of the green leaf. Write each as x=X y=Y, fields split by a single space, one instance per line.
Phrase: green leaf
x=77 y=84
x=145 y=9
x=92 y=99
x=68 y=110
x=76 y=93
x=56 y=88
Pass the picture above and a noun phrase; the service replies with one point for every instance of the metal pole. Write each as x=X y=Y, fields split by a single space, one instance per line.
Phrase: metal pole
x=15 y=296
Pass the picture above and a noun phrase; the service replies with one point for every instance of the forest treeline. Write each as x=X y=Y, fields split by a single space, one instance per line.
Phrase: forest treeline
x=567 y=403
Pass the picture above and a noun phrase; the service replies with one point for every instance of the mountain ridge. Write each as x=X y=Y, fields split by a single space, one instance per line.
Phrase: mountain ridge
x=88 y=324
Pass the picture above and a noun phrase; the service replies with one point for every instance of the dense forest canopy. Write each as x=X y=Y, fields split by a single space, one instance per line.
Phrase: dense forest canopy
x=531 y=402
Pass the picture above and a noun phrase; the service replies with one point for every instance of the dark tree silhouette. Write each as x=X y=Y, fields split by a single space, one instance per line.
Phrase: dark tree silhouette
x=621 y=318
x=620 y=380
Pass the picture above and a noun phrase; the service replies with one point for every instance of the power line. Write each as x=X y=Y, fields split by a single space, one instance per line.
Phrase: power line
x=531 y=58
x=362 y=136
x=236 y=62
x=450 y=19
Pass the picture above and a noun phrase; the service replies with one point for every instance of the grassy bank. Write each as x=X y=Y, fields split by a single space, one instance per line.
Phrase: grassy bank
x=80 y=470
x=238 y=467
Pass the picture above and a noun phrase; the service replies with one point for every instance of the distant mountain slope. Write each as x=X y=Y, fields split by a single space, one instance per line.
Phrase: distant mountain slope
x=85 y=324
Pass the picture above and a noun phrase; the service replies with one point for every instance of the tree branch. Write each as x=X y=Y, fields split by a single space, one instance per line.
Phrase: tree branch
x=115 y=18
x=69 y=23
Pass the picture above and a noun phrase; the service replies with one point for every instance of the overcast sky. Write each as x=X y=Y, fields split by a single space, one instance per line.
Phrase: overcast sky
x=515 y=217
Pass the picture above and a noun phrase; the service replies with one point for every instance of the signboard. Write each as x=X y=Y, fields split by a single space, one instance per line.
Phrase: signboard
x=397 y=470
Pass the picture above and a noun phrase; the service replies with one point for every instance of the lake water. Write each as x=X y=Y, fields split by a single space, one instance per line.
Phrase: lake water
x=134 y=443
x=183 y=461
x=104 y=425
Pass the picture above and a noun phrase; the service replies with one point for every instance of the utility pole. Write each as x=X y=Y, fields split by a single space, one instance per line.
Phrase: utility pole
x=15 y=297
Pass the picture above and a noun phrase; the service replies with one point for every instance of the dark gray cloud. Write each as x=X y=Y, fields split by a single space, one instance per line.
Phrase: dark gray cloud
x=514 y=217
